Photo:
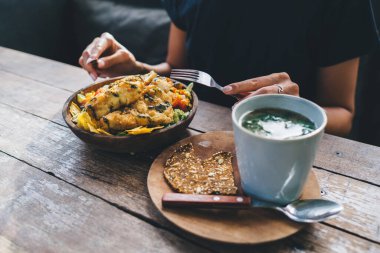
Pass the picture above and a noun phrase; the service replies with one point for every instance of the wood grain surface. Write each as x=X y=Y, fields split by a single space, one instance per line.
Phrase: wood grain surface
x=106 y=174
x=43 y=214
x=32 y=92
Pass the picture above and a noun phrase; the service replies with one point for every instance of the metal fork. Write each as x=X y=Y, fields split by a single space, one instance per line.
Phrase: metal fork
x=197 y=76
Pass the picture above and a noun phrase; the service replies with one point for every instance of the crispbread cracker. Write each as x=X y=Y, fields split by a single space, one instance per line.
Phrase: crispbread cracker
x=186 y=173
x=220 y=173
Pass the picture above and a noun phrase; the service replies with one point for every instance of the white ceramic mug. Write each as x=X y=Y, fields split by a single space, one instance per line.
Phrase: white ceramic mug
x=271 y=169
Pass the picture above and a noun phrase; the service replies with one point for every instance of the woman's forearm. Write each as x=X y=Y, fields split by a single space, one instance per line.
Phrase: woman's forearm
x=339 y=121
x=163 y=68
x=336 y=93
x=176 y=56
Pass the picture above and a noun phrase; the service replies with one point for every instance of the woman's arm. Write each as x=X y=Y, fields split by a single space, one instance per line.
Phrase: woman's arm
x=336 y=94
x=176 y=57
x=113 y=59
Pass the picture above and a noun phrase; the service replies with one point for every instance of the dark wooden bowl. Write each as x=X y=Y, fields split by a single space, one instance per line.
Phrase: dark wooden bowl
x=132 y=143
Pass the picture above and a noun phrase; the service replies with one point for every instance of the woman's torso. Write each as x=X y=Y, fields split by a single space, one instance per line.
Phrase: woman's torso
x=237 y=40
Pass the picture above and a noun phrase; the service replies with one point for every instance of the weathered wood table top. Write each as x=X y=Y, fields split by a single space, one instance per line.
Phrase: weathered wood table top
x=57 y=195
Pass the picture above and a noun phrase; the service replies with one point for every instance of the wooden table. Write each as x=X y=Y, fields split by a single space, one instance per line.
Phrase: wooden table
x=57 y=195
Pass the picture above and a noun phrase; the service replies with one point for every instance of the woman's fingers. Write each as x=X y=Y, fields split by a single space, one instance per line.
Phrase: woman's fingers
x=276 y=83
x=99 y=46
x=256 y=83
x=88 y=67
x=86 y=54
x=288 y=87
x=84 y=62
x=93 y=51
x=103 y=57
x=81 y=61
x=116 y=58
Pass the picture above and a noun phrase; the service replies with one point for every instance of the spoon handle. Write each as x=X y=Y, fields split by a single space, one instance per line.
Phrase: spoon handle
x=205 y=201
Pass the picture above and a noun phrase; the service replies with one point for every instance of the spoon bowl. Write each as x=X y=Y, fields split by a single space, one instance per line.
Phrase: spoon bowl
x=308 y=210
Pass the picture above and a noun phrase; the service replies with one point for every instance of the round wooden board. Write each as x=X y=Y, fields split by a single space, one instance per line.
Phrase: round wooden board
x=233 y=226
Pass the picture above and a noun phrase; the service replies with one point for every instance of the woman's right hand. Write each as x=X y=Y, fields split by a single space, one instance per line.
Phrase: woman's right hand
x=105 y=57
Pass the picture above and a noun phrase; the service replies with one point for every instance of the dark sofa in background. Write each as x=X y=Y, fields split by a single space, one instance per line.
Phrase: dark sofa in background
x=60 y=30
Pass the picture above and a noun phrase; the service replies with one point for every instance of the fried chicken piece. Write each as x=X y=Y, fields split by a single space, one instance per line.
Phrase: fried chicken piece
x=120 y=93
x=140 y=114
x=120 y=121
x=158 y=91
x=153 y=108
x=163 y=83
x=161 y=118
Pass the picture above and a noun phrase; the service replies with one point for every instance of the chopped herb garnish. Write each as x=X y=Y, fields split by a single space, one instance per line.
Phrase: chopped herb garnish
x=161 y=107
x=122 y=134
x=149 y=97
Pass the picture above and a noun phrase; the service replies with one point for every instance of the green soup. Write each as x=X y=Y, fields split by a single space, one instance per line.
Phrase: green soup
x=277 y=123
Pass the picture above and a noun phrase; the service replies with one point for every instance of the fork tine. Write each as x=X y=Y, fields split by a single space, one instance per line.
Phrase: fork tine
x=185 y=71
x=186 y=75
x=182 y=78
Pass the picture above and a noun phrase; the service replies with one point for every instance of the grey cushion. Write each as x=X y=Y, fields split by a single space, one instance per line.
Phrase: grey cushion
x=143 y=30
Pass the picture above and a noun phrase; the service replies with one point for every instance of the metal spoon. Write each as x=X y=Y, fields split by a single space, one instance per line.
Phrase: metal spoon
x=308 y=210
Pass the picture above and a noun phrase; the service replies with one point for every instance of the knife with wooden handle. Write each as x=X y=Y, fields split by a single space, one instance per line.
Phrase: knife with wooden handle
x=307 y=210
x=171 y=199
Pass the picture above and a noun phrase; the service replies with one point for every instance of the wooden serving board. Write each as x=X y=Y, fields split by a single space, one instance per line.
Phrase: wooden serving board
x=233 y=226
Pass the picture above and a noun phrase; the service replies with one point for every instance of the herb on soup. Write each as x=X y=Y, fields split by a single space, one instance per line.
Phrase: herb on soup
x=277 y=123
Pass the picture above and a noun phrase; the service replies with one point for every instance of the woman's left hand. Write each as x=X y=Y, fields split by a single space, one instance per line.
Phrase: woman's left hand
x=276 y=83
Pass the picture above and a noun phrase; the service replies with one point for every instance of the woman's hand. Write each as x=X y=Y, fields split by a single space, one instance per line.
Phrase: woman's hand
x=271 y=84
x=105 y=57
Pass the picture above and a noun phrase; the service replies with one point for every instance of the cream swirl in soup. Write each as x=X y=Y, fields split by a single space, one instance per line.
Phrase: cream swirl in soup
x=277 y=123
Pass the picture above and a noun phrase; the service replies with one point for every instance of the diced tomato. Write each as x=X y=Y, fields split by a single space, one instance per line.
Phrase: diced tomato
x=177 y=102
x=181 y=102
x=98 y=91
x=183 y=105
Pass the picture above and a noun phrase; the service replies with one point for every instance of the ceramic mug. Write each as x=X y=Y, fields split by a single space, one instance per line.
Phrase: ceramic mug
x=271 y=169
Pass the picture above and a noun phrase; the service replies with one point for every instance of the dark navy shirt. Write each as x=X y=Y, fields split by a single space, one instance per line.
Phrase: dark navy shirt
x=241 y=39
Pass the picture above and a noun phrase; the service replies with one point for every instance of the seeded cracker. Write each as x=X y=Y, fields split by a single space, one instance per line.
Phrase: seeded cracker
x=186 y=173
